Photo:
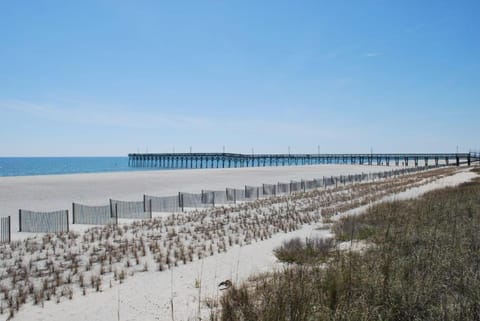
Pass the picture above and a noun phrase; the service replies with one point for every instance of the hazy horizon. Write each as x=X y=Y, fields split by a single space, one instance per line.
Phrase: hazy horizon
x=152 y=152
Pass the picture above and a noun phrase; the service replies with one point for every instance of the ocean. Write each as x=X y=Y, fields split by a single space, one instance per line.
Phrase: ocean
x=24 y=166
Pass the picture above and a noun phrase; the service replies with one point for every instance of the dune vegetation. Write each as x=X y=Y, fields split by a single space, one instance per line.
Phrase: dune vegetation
x=413 y=260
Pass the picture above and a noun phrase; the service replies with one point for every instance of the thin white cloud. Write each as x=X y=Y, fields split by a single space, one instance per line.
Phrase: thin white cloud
x=209 y=129
x=115 y=117
x=373 y=54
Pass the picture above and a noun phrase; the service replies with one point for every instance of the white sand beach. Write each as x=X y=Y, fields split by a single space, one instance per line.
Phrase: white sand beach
x=147 y=296
x=55 y=192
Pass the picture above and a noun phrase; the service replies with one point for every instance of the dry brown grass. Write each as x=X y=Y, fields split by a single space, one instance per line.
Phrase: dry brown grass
x=425 y=266
x=310 y=251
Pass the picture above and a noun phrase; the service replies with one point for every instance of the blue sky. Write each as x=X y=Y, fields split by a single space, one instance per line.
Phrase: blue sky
x=113 y=77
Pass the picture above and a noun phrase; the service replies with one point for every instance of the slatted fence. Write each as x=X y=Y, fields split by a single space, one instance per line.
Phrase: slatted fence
x=162 y=203
x=193 y=200
x=283 y=188
x=215 y=197
x=98 y=215
x=221 y=197
x=235 y=195
x=5 y=230
x=295 y=186
x=129 y=209
x=58 y=221
x=269 y=190
x=43 y=222
x=252 y=193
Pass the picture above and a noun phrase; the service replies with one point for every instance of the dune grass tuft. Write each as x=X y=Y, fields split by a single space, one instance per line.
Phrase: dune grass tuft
x=312 y=250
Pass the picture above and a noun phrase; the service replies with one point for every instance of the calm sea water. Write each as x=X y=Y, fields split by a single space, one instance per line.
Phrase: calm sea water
x=22 y=166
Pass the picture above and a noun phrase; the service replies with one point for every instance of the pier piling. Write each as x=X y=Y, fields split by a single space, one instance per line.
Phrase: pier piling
x=230 y=160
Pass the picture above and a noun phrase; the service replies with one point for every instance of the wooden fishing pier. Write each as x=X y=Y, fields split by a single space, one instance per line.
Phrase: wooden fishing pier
x=230 y=160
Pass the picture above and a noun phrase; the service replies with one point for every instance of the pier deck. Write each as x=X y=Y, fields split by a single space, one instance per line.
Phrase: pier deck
x=230 y=160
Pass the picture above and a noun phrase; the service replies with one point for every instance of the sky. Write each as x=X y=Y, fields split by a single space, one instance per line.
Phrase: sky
x=107 y=78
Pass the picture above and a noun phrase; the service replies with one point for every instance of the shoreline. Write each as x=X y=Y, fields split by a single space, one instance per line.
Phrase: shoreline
x=133 y=170
x=55 y=192
x=195 y=170
x=303 y=168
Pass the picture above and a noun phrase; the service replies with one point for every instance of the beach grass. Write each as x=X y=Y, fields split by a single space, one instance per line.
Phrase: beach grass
x=312 y=250
x=420 y=261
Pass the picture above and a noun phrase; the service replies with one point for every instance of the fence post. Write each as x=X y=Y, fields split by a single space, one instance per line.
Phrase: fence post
x=9 y=230
x=116 y=213
x=144 y=203
x=73 y=213
x=68 y=230
x=180 y=200
x=213 y=200
x=112 y=213
x=150 y=204
x=19 y=220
